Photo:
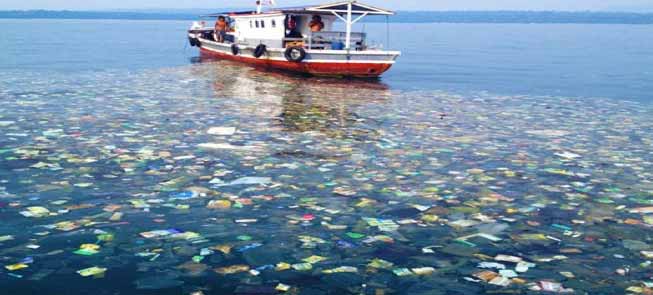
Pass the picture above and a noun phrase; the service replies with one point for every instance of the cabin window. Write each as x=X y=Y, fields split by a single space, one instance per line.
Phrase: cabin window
x=274 y=23
x=257 y=25
x=251 y=24
x=262 y=24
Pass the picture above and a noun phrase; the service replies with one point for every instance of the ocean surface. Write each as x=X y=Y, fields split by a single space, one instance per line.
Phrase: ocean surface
x=492 y=158
x=577 y=60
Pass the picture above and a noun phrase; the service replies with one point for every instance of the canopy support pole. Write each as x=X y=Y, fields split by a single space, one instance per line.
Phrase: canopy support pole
x=387 y=31
x=359 y=18
x=340 y=17
x=349 y=23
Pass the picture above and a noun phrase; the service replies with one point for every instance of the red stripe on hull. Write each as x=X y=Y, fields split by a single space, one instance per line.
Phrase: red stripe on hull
x=366 y=70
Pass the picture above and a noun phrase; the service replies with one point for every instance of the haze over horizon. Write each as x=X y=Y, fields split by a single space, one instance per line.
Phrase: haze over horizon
x=412 y=5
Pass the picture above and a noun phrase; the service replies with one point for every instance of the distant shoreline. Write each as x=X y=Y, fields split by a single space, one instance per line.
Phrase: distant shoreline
x=543 y=17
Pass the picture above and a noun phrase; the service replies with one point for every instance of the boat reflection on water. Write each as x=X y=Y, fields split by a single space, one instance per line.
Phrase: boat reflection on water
x=295 y=103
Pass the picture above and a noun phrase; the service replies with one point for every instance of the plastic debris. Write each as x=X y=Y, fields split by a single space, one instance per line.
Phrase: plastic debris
x=548 y=286
x=232 y=269
x=314 y=259
x=92 y=271
x=353 y=189
x=16 y=266
x=500 y=281
x=423 y=271
x=88 y=249
x=508 y=258
x=282 y=287
x=402 y=272
x=6 y=238
x=302 y=266
x=219 y=204
x=221 y=130
x=36 y=212
x=341 y=269
x=491 y=265
x=380 y=263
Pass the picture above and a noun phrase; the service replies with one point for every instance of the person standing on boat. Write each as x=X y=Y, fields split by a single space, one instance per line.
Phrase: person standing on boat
x=221 y=28
x=316 y=24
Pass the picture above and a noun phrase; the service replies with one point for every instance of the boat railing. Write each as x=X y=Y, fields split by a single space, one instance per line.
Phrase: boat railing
x=335 y=40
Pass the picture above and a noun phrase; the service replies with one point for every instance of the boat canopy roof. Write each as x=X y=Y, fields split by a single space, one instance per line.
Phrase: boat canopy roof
x=357 y=8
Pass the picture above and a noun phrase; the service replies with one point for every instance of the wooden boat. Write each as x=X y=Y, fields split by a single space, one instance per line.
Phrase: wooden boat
x=282 y=39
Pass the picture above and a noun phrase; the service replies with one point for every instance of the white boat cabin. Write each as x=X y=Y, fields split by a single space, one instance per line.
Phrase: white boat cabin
x=286 y=27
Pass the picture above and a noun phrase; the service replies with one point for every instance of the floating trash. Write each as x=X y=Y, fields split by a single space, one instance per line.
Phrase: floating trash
x=232 y=269
x=92 y=271
x=221 y=130
x=244 y=182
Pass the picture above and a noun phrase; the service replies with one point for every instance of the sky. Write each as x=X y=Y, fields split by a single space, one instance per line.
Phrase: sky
x=573 y=5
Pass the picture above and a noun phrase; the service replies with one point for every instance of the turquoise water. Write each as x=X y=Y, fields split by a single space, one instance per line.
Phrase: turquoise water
x=133 y=167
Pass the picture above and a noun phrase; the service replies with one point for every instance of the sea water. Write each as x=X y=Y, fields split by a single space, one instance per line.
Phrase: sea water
x=491 y=158
x=577 y=60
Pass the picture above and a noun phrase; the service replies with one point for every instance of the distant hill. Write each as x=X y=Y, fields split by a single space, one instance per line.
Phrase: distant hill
x=122 y=15
x=401 y=17
x=524 y=17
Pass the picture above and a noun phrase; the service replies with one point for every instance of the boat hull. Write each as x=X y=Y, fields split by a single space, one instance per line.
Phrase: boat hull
x=317 y=63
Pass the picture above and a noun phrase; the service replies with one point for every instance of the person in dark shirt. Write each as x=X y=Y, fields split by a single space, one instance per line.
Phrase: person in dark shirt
x=291 y=27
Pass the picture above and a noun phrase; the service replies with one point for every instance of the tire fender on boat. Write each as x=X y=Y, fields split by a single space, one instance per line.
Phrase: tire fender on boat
x=234 y=49
x=295 y=54
x=260 y=50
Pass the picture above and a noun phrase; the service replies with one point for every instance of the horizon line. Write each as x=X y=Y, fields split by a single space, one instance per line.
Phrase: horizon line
x=154 y=10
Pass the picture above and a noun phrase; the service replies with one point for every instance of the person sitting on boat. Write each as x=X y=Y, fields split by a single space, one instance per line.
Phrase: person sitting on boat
x=291 y=26
x=316 y=24
x=221 y=28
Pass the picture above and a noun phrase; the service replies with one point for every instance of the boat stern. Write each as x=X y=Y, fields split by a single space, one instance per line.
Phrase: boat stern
x=363 y=64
